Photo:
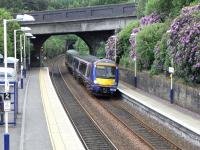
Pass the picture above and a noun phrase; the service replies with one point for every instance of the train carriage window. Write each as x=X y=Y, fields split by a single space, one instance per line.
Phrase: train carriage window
x=76 y=63
x=82 y=68
x=70 y=60
x=88 y=71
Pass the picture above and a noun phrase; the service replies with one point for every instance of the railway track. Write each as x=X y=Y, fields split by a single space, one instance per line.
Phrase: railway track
x=87 y=130
x=91 y=136
x=146 y=134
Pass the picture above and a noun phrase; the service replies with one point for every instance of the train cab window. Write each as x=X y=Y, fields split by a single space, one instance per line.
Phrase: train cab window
x=107 y=72
x=82 y=68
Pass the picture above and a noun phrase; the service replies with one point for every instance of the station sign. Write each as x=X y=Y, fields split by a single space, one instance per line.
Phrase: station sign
x=171 y=69
x=7 y=105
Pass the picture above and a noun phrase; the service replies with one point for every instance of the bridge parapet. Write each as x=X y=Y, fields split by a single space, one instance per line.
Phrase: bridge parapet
x=88 y=13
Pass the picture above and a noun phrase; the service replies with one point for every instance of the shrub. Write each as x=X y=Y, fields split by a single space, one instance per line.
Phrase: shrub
x=161 y=56
x=166 y=7
x=124 y=35
x=184 y=44
x=141 y=8
x=144 y=21
x=178 y=5
x=153 y=18
x=132 y=40
x=146 y=41
x=111 y=47
x=125 y=61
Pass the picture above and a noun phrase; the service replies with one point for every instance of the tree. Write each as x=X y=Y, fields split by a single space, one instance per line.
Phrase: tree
x=10 y=28
x=37 y=5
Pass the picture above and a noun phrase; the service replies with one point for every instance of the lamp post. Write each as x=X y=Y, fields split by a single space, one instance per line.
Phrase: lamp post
x=21 y=62
x=117 y=30
x=135 y=63
x=135 y=72
x=171 y=71
x=24 y=62
x=29 y=60
x=7 y=101
x=23 y=29
x=29 y=35
x=115 y=37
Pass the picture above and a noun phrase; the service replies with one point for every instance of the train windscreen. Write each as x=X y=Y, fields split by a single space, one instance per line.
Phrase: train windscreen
x=107 y=72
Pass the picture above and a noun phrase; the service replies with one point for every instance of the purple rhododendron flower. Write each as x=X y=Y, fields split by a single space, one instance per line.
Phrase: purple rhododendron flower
x=153 y=18
x=111 y=47
x=183 y=43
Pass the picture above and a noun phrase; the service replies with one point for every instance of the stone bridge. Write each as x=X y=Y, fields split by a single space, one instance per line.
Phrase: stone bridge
x=92 y=24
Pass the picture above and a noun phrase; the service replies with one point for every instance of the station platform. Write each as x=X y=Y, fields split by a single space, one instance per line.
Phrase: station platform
x=184 y=117
x=42 y=123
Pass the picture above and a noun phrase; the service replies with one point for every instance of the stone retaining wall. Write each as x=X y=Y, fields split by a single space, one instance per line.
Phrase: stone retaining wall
x=184 y=96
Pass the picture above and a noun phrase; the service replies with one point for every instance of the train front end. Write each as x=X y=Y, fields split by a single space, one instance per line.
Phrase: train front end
x=105 y=77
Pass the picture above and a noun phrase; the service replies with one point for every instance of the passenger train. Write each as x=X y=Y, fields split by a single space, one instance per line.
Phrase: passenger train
x=100 y=76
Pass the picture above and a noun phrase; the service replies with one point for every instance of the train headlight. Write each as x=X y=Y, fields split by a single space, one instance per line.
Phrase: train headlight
x=95 y=81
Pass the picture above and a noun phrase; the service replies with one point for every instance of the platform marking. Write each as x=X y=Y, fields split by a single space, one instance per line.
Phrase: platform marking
x=44 y=96
x=21 y=146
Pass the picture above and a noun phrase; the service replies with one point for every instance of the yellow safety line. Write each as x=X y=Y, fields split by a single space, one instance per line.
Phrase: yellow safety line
x=54 y=132
x=44 y=95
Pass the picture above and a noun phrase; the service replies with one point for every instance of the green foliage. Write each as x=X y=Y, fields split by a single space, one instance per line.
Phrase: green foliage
x=178 y=5
x=10 y=28
x=161 y=7
x=124 y=35
x=10 y=4
x=162 y=60
x=81 y=46
x=124 y=61
x=166 y=7
x=194 y=2
x=82 y=3
x=141 y=8
x=101 y=50
x=36 y=5
x=146 y=40
x=54 y=46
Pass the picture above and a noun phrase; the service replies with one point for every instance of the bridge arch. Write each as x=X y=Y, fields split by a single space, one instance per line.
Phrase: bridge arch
x=92 y=39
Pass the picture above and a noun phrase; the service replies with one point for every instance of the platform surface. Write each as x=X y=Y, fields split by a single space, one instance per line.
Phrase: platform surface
x=176 y=113
x=62 y=133
x=30 y=132
x=42 y=123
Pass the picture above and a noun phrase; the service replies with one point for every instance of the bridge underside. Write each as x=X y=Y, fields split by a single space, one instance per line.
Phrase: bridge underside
x=93 y=32
x=92 y=39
